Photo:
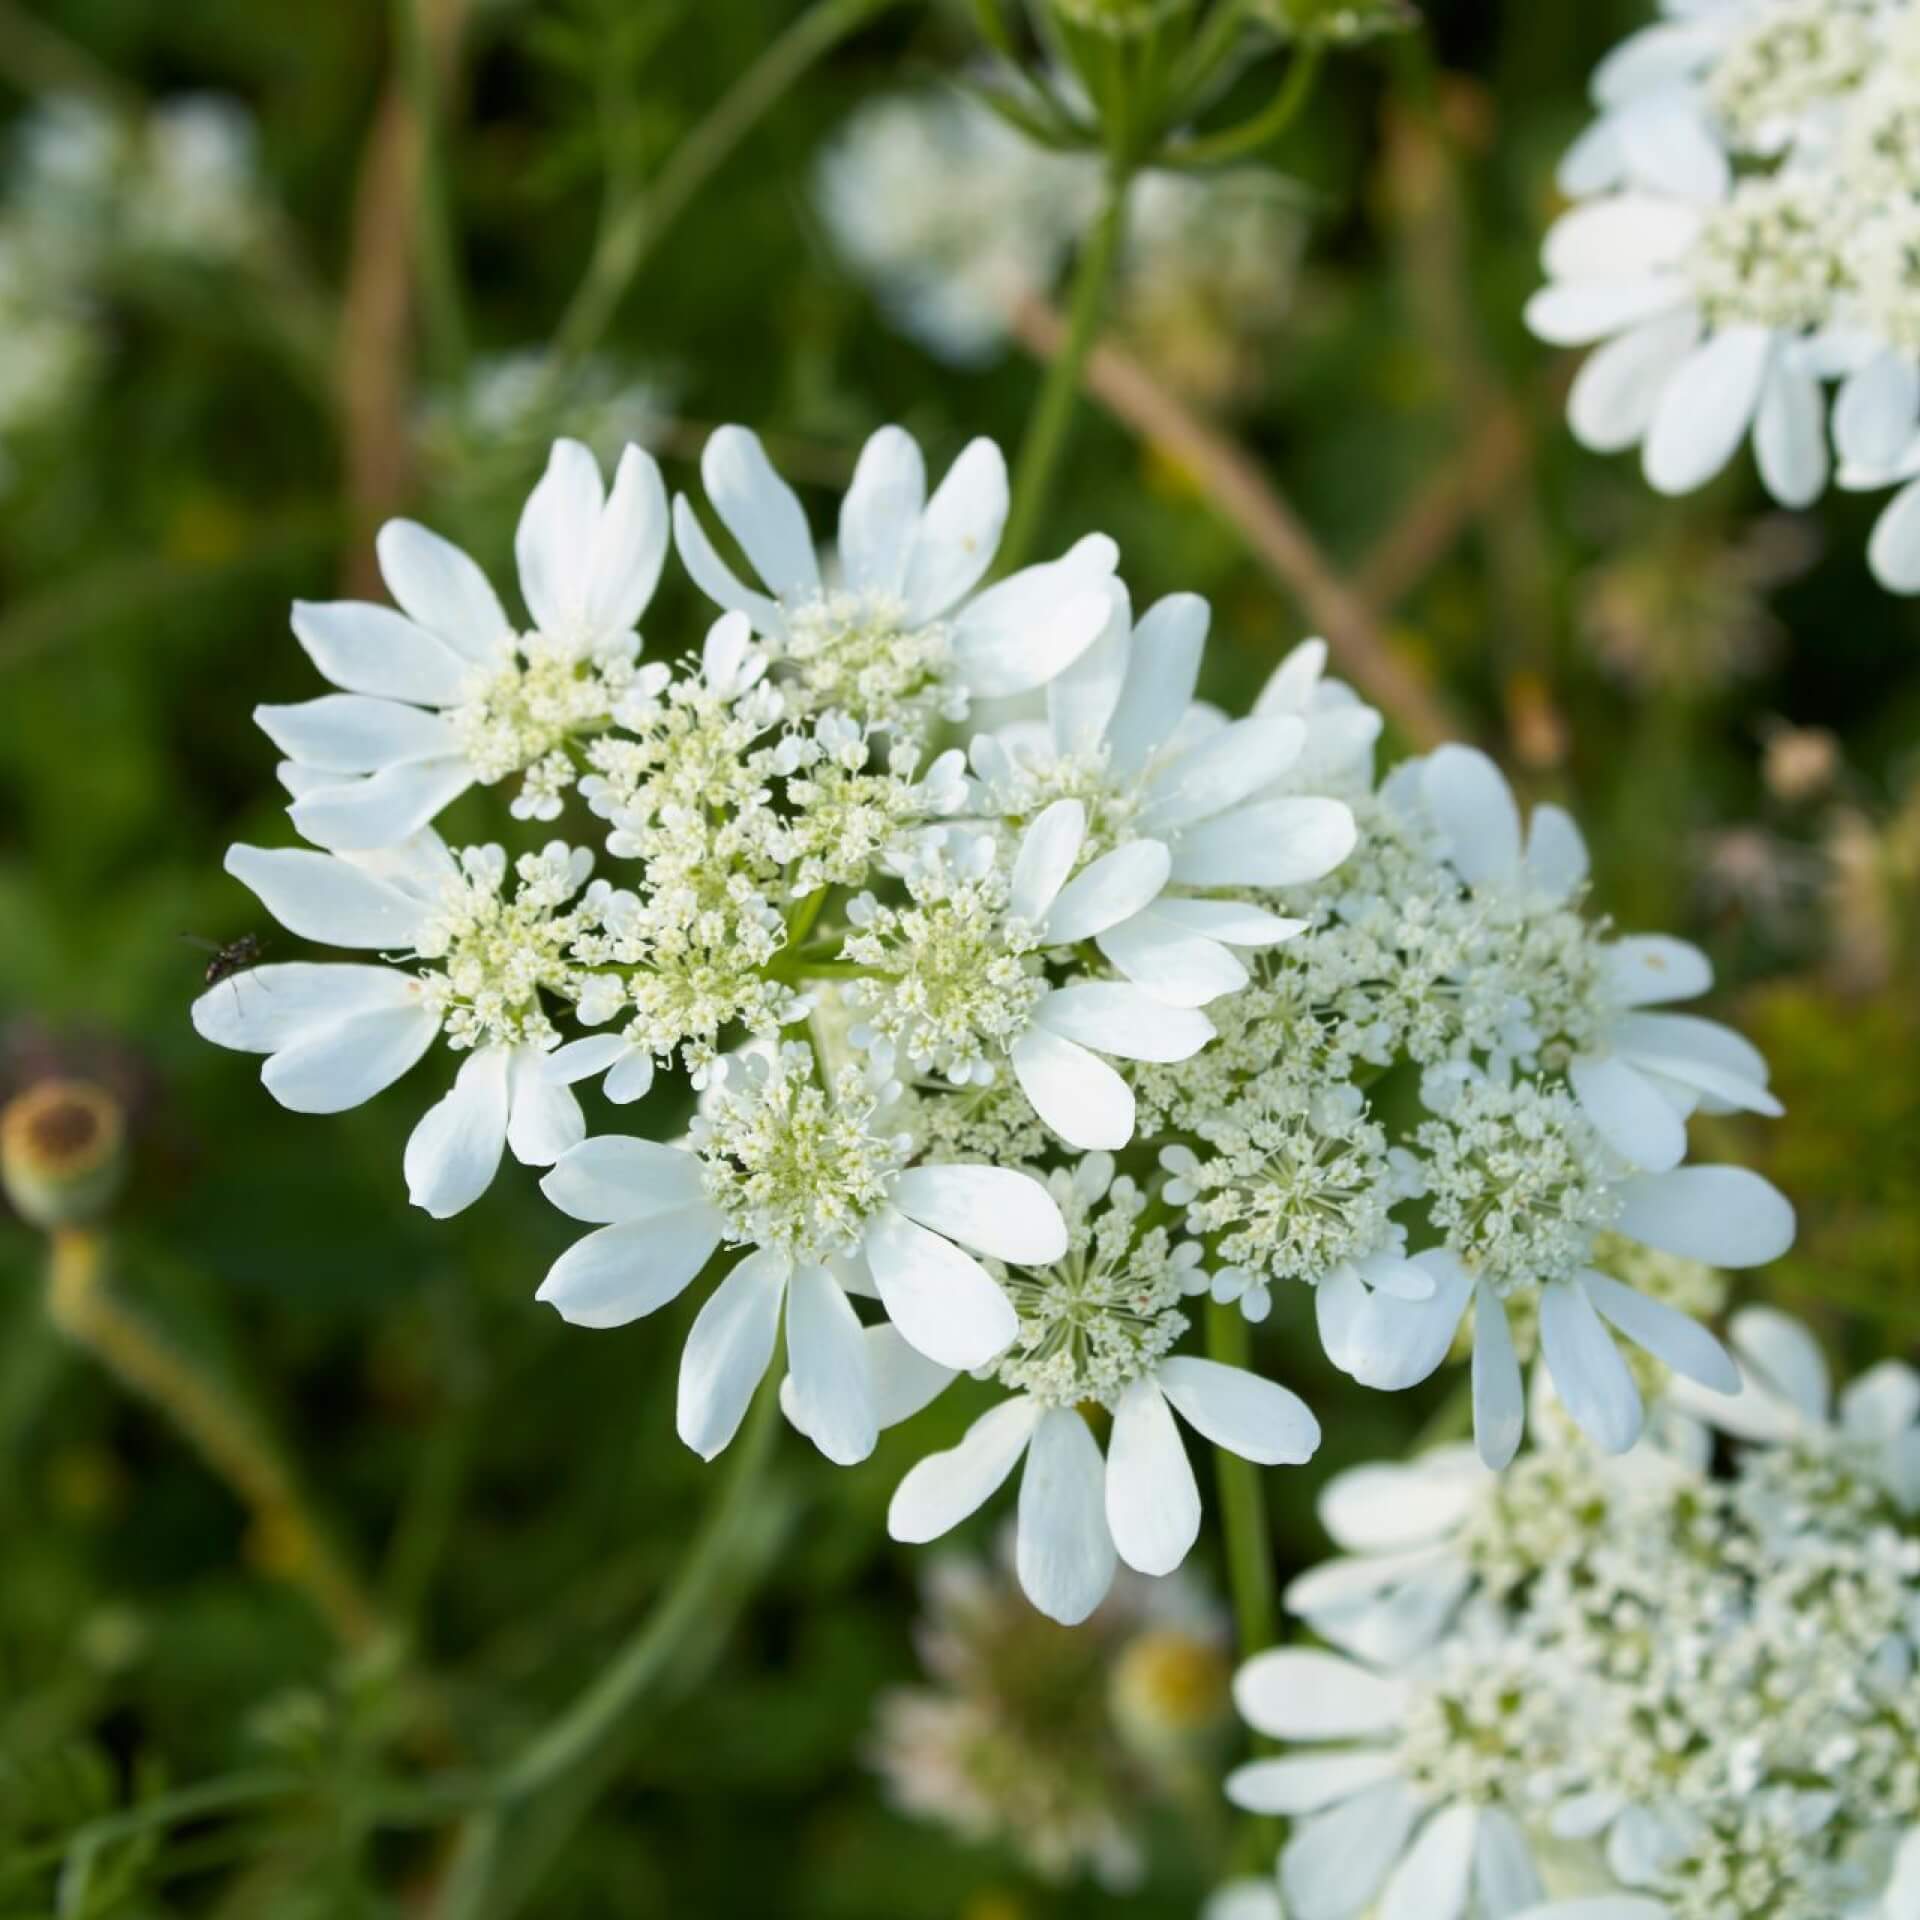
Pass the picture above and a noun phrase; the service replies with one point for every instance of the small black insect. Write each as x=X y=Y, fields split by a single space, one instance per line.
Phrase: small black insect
x=237 y=956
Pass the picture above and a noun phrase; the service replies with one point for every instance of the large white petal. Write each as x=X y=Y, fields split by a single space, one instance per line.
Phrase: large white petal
x=1048 y=850
x=1664 y=55
x=728 y=1350
x=1062 y=1549
x=1392 y=1343
x=324 y=898
x=1273 y=843
x=374 y=813
x=1631 y=1114
x=442 y=589
x=1297 y=1693
x=1385 y=1506
x=329 y=1069
x=355 y=733
x=945 y=1488
x=1574 y=313
x=615 y=1177
x=1624 y=236
x=1163 y=667
x=1474 y=809
x=1433 y=1877
x=959 y=533
x=1876 y=410
x=1153 y=1501
x=1613 y=398
x=453 y=1154
x=1075 y=1092
x=1785 y=1357
x=1259 y=1420
x=1170 y=961
x=1499 y=1400
x=1335 y=1861
x=1118 y=1018
x=1593 y=1382
x=714 y=577
x=1701 y=1052
x=1893 y=550
x=997 y=1211
x=628 y=548
x=881 y=511
x=554 y=541
x=367 y=649
x=995 y=660
x=1706 y=409
x=1082 y=697
x=543 y=1118
x=761 y=511
x=827 y=1358
x=1306 y=1782
x=1666 y=1333
x=1649 y=969
x=1505 y=1878
x=1726 y=1216
x=942 y=1300
x=1116 y=886
x=267 y=1008
x=1667 y=145
x=1222 y=770
x=1790 y=434
x=617 y=1274
x=901 y=1377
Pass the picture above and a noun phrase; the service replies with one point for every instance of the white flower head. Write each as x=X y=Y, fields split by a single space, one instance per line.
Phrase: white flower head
x=900 y=634
x=444 y=693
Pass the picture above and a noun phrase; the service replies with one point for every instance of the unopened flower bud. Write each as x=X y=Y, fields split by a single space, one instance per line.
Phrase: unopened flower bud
x=62 y=1152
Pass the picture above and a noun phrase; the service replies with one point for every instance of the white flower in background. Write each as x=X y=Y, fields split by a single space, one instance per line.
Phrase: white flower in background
x=1411 y=1791
x=1636 y=1074
x=1244 y=1900
x=896 y=631
x=1786 y=1400
x=1706 y=309
x=1683 y=1687
x=337 y=1034
x=952 y=215
x=820 y=1191
x=1098 y=1327
x=1124 y=736
x=1746 y=234
x=959 y=978
x=443 y=693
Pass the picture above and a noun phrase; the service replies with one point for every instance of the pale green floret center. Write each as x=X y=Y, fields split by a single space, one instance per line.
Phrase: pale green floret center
x=1768 y=256
x=1100 y=1318
x=532 y=703
x=790 y=1167
x=1480 y=1733
x=1796 y=56
x=860 y=652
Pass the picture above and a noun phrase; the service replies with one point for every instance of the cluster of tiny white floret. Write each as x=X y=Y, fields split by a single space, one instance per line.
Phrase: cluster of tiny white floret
x=1748 y=232
x=1031 y=1036
x=1691 y=1687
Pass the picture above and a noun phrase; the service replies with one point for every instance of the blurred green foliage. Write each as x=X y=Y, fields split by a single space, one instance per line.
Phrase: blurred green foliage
x=514 y=1485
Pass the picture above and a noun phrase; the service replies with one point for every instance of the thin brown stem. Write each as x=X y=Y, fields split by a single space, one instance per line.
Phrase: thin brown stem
x=1241 y=493
x=82 y=1305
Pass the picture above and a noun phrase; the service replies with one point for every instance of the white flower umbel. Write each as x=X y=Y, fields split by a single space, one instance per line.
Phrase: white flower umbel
x=1412 y=1792
x=895 y=632
x=445 y=693
x=1688 y=1684
x=487 y=963
x=1097 y=1328
x=814 y=1183
x=1125 y=737
x=960 y=975
x=1746 y=234
x=1579 y=1000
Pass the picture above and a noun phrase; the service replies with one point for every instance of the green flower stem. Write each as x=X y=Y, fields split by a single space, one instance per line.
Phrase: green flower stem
x=706 y=1579
x=632 y=231
x=1243 y=1506
x=1213 y=150
x=1045 y=441
x=226 y=1436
